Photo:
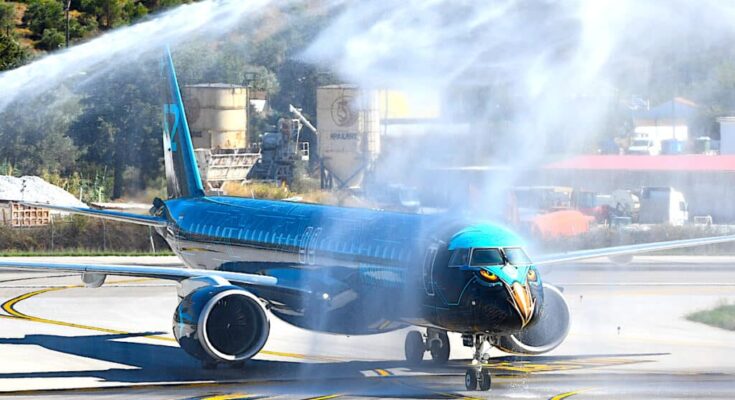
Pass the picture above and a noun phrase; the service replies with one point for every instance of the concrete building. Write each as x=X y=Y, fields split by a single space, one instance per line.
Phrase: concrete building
x=669 y=120
x=707 y=182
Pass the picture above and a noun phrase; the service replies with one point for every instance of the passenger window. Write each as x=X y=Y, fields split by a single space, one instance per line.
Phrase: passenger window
x=460 y=257
x=487 y=257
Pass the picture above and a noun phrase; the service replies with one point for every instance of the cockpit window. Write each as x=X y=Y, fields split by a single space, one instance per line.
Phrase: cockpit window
x=516 y=256
x=460 y=257
x=486 y=257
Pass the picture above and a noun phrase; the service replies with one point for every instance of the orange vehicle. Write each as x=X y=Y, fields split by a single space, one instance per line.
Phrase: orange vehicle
x=560 y=223
x=550 y=211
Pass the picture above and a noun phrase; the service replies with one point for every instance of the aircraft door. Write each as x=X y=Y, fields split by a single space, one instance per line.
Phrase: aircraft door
x=428 y=269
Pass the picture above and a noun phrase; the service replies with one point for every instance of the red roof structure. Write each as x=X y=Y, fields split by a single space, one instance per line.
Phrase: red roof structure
x=686 y=162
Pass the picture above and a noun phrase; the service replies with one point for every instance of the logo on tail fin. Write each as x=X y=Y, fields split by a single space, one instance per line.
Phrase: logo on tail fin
x=171 y=111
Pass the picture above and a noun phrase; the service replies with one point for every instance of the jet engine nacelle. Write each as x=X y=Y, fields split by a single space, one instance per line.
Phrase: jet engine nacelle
x=221 y=324
x=548 y=332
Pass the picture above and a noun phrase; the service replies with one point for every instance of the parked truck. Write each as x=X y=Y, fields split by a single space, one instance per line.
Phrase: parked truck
x=662 y=205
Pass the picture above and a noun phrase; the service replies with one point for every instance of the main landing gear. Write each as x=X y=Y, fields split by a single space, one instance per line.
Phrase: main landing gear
x=436 y=342
x=476 y=377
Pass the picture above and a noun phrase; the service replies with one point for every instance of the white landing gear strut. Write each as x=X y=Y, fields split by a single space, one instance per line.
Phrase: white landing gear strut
x=476 y=377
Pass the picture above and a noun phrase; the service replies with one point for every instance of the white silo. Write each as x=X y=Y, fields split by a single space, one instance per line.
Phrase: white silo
x=349 y=132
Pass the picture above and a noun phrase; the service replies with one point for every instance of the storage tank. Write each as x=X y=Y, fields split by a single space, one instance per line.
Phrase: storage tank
x=349 y=132
x=703 y=145
x=217 y=115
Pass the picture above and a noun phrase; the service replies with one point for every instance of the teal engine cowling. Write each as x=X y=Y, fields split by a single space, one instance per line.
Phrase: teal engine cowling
x=221 y=324
x=547 y=333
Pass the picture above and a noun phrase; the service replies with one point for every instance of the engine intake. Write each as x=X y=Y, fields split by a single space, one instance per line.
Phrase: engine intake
x=548 y=332
x=221 y=324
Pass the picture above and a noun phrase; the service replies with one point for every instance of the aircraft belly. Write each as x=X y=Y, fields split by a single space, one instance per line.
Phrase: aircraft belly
x=336 y=296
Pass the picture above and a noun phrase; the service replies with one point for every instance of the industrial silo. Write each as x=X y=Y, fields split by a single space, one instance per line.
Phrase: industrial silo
x=217 y=115
x=349 y=133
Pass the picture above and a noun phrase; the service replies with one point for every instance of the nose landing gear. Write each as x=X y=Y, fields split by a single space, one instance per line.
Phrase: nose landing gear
x=436 y=343
x=476 y=377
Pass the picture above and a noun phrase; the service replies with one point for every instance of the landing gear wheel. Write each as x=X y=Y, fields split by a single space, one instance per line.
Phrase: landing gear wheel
x=484 y=380
x=440 y=349
x=414 y=348
x=477 y=376
x=470 y=379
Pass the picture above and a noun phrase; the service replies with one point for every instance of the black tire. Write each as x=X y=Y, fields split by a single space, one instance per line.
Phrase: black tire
x=470 y=379
x=440 y=351
x=485 y=381
x=414 y=348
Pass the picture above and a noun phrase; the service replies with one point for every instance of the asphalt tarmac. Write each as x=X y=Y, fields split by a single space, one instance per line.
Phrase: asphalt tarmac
x=629 y=339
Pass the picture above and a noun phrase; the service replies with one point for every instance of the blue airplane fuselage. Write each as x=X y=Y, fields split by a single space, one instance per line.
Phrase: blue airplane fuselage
x=350 y=270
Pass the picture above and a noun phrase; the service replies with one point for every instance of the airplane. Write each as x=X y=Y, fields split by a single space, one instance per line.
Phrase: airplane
x=338 y=270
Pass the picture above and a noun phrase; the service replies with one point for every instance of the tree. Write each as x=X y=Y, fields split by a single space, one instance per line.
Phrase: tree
x=12 y=54
x=51 y=39
x=44 y=14
x=161 y=4
x=120 y=126
x=7 y=18
x=112 y=13
x=33 y=133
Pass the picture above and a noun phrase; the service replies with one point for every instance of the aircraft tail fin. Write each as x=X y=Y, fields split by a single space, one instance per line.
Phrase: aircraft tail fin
x=182 y=174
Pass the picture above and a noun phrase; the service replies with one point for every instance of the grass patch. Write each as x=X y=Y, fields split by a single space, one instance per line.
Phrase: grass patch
x=722 y=316
x=84 y=253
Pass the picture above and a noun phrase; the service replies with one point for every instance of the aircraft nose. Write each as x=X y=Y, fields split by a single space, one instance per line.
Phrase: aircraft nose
x=522 y=301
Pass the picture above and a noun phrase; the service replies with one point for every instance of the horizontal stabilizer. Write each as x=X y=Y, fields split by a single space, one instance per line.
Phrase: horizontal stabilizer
x=113 y=215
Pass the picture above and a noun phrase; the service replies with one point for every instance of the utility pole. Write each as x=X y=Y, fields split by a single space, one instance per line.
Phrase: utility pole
x=66 y=11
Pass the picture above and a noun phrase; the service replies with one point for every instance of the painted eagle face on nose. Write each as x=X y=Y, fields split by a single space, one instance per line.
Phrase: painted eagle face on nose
x=519 y=282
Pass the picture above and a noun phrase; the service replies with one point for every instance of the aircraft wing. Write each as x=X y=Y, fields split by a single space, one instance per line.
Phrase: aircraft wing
x=113 y=215
x=628 y=249
x=177 y=274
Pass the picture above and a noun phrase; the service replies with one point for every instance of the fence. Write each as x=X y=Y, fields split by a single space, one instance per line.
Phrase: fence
x=78 y=233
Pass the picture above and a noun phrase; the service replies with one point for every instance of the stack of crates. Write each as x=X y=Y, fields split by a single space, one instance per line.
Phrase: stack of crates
x=20 y=216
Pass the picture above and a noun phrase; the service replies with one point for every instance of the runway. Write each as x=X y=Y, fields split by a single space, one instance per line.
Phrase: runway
x=628 y=339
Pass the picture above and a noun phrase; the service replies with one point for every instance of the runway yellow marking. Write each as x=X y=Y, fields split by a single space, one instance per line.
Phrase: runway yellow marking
x=446 y=395
x=454 y=396
x=383 y=372
x=233 y=396
x=9 y=307
x=331 y=396
x=568 y=394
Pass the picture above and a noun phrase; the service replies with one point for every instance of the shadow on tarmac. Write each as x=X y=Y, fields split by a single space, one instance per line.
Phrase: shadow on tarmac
x=152 y=363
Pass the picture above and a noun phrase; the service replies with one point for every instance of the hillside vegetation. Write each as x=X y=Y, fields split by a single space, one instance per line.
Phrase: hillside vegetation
x=103 y=140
